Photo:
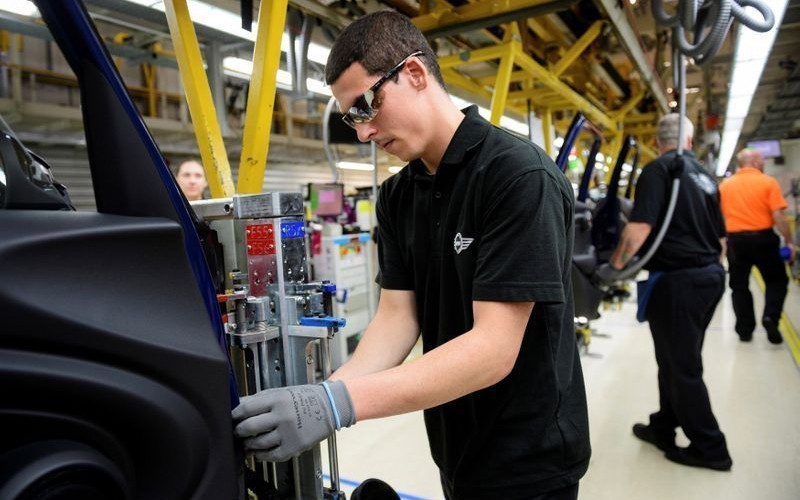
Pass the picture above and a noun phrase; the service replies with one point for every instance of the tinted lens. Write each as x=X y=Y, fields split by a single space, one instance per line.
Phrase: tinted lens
x=361 y=111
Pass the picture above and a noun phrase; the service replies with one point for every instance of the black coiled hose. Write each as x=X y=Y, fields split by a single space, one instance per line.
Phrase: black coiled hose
x=709 y=22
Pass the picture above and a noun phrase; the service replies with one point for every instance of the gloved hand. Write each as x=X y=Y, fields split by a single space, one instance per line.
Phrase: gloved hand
x=606 y=275
x=281 y=423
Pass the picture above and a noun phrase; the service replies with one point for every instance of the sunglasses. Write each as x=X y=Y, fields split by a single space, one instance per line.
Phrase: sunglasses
x=362 y=111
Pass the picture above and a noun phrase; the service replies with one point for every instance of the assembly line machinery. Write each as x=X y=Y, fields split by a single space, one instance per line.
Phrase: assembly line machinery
x=279 y=324
x=126 y=352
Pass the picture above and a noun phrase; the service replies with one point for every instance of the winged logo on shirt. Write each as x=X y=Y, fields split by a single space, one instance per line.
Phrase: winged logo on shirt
x=460 y=243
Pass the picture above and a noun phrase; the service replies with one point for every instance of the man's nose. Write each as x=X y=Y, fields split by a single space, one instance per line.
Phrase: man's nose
x=365 y=131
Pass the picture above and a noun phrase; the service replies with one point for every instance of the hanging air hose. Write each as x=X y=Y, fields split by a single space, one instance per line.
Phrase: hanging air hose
x=709 y=22
x=326 y=142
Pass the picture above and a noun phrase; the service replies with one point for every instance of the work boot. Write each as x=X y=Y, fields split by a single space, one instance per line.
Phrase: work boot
x=773 y=334
x=685 y=456
x=646 y=434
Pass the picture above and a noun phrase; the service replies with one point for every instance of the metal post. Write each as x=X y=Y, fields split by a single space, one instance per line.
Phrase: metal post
x=547 y=131
x=261 y=96
x=16 y=68
x=502 y=82
x=214 y=64
x=198 y=95
x=371 y=299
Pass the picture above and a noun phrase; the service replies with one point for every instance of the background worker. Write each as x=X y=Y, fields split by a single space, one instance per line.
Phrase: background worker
x=476 y=236
x=689 y=281
x=192 y=179
x=752 y=204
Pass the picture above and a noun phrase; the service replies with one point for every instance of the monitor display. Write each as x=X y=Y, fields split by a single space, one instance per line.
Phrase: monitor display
x=767 y=148
x=327 y=200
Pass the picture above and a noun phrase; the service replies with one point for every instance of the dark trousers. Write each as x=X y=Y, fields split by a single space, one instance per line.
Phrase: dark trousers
x=759 y=249
x=679 y=312
x=566 y=493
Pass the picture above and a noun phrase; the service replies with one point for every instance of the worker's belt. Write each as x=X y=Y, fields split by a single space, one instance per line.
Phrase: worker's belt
x=760 y=232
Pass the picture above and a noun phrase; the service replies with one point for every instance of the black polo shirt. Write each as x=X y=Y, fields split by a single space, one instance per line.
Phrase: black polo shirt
x=494 y=224
x=692 y=239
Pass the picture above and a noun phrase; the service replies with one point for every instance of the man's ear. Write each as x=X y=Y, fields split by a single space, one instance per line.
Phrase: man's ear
x=417 y=73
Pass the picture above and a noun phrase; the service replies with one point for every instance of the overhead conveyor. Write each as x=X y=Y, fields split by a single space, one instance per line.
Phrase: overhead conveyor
x=520 y=82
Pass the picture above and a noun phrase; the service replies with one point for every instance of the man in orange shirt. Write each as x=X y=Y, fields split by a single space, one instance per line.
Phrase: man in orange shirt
x=752 y=204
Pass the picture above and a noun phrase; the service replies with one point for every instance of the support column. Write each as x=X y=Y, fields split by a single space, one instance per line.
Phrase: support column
x=198 y=96
x=261 y=96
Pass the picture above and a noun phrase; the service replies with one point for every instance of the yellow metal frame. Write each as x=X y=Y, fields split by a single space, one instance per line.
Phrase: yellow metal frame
x=444 y=17
x=540 y=85
x=149 y=72
x=556 y=94
x=503 y=80
x=578 y=47
x=261 y=96
x=547 y=127
x=198 y=96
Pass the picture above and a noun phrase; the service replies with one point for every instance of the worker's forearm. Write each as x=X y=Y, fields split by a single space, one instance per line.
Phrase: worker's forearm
x=633 y=237
x=441 y=375
x=783 y=228
x=385 y=344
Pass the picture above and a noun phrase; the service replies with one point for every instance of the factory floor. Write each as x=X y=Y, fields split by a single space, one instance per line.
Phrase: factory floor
x=755 y=395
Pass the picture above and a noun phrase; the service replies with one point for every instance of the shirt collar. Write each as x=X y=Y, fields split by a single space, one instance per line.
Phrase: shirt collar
x=673 y=152
x=748 y=170
x=469 y=134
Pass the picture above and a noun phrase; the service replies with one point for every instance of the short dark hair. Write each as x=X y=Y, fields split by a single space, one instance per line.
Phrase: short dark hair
x=379 y=41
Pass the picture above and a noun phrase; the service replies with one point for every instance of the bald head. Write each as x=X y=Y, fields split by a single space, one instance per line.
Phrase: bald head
x=749 y=157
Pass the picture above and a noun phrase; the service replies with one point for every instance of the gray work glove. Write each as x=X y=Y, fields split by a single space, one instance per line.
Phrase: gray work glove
x=281 y=423
x=605 y=275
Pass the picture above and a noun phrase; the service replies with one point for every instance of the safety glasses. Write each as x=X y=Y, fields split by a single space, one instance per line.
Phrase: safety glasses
x=362 y=111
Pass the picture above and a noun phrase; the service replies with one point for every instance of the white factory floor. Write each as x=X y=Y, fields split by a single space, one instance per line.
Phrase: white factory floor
x=755 y=395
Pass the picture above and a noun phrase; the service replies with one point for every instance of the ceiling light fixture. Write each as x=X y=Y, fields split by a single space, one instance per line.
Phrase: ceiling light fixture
x=749 y=58
x=353 y=165
x=231 y=23
x=21 y=7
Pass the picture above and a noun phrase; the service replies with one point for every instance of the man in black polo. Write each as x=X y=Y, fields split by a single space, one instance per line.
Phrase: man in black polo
x=687 y=281
x=475 y=243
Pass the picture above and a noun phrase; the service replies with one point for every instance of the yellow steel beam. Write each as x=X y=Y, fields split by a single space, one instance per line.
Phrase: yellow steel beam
x=445 y=5
x=503 y=79
x=536 y=94
x=261 y=96
x=555 y=32
x=619 y=114
x=642 y=118
x=640 y=129
x=648 y=153
x=424 y=6
x=578 y=47
x=198 y=96
x=547 y=129
x=5 y=41
x=472 y=56
x=442 y=18
x=149 y=72
x=453 y=77
x=550 y=80
x=516 y=76
x=536 y=26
